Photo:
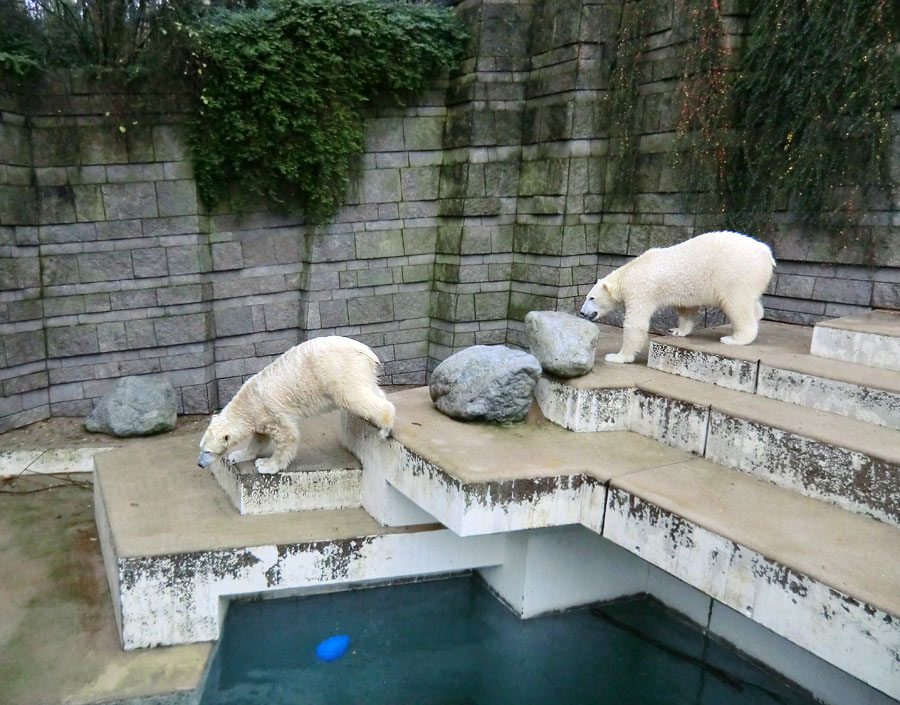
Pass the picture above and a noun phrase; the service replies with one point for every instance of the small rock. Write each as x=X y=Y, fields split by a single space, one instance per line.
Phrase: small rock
x=137 y=406
x=490 y=383
x=564 y=344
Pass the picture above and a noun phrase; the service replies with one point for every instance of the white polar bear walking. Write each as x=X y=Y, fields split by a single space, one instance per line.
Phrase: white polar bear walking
x=723 y=269
x=312 y=378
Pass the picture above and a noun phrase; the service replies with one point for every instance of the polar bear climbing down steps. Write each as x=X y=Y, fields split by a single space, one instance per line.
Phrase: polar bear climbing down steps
x=723 y=269
x=312 y=378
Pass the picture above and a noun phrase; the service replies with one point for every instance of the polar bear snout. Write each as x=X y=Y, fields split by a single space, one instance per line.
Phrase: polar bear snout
x=585 y=312
x=206 y=459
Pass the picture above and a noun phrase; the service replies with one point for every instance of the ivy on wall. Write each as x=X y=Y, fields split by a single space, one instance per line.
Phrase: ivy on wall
x=797 y=120
x=813 y=102
x=283 y=86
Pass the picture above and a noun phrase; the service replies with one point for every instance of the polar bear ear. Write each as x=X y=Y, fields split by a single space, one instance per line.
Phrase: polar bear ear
x=605 y=285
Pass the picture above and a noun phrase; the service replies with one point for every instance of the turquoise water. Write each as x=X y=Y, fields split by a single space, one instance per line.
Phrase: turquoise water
x=450 y=642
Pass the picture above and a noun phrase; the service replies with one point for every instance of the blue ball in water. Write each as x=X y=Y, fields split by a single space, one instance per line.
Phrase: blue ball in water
x=333 y=648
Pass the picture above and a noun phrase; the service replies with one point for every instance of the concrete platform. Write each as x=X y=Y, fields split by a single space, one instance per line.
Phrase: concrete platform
x=779 y=365
x=323 y=476
x=174 y=546
x=823 y=577
x=869 y=339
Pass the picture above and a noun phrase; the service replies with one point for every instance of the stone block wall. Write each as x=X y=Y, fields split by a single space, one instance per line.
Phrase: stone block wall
x=481 y=200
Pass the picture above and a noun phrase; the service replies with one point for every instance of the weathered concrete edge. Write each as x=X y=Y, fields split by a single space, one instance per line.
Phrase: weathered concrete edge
x=175 y=599
x=857 y=638
x=863 y=403
x=309 y=490
x=728 y=372
x=845 y=345
x=48 y=462
x=840 y=476
x=689 y=426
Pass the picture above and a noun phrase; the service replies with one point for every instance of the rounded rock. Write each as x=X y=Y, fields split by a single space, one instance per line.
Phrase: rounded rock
x=490 y=383
x=564 y=344
x=136 y=406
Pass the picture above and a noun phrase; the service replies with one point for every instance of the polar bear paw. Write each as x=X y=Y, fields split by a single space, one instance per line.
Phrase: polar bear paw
x=731 y=340
x=265 y=466
x=619 y=358
x=678 y=332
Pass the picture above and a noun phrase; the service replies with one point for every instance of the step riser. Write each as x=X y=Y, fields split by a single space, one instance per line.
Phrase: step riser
x=837 y=475
x=873 y=406
x=843 y=477
x=340 y=488
x=727 y=372
x=854 y=637
x=854 y=401
x=852 y=346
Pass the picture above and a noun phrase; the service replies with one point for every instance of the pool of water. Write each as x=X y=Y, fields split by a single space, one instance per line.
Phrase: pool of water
x=450 y=642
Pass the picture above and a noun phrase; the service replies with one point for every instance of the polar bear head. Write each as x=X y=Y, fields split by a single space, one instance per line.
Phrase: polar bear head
x=599 y=301
x=218 y=440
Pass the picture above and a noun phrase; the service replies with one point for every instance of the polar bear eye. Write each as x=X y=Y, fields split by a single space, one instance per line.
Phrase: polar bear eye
x=225 y=438
x=590 y=298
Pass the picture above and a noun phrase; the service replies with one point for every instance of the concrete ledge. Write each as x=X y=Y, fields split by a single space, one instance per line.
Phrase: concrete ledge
x=828 y=457
x=323 y=476
x=779 y=366
x=870 y=339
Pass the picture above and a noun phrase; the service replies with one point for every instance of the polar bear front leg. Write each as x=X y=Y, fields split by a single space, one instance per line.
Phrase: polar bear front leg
x=285 y=446
x=634 y=335
x=686 y=318
x=253 y=450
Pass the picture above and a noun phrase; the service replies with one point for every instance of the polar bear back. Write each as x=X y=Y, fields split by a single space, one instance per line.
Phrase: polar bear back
x=707 y=270
x=316 y=376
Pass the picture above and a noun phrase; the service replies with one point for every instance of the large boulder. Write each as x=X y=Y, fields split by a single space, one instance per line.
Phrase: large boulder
x=564 y=344
x=491 y=383
x=136 y=406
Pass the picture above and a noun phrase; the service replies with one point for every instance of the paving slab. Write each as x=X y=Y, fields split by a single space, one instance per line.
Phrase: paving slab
x=878 y=322
x=479 y=453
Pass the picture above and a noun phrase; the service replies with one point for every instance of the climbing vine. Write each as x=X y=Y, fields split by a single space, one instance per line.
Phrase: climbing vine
x=623 y=100
x=802 y=123
x=704 y=99
x=283 y=85
x=813 y=101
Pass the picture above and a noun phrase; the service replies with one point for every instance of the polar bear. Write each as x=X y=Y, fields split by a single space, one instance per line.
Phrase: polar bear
x=723 y=269
x=312 y=378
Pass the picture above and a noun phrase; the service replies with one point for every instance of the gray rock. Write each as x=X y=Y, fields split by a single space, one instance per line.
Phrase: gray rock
x=490 y=383
x=563 y=343
x=137 y=406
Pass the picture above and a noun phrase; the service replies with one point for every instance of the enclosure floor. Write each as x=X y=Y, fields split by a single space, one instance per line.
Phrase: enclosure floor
x=58 y=636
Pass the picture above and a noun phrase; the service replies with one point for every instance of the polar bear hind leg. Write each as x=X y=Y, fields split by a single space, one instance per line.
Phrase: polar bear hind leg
x=744 y=321
x=760 y=311
x=686 y=318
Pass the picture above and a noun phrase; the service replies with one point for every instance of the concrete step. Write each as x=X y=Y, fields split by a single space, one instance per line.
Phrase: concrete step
x=825 y=456
x=174 y=546
x=779 y=365
x=872 y=339
x=323 y=476
x=825 y=578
